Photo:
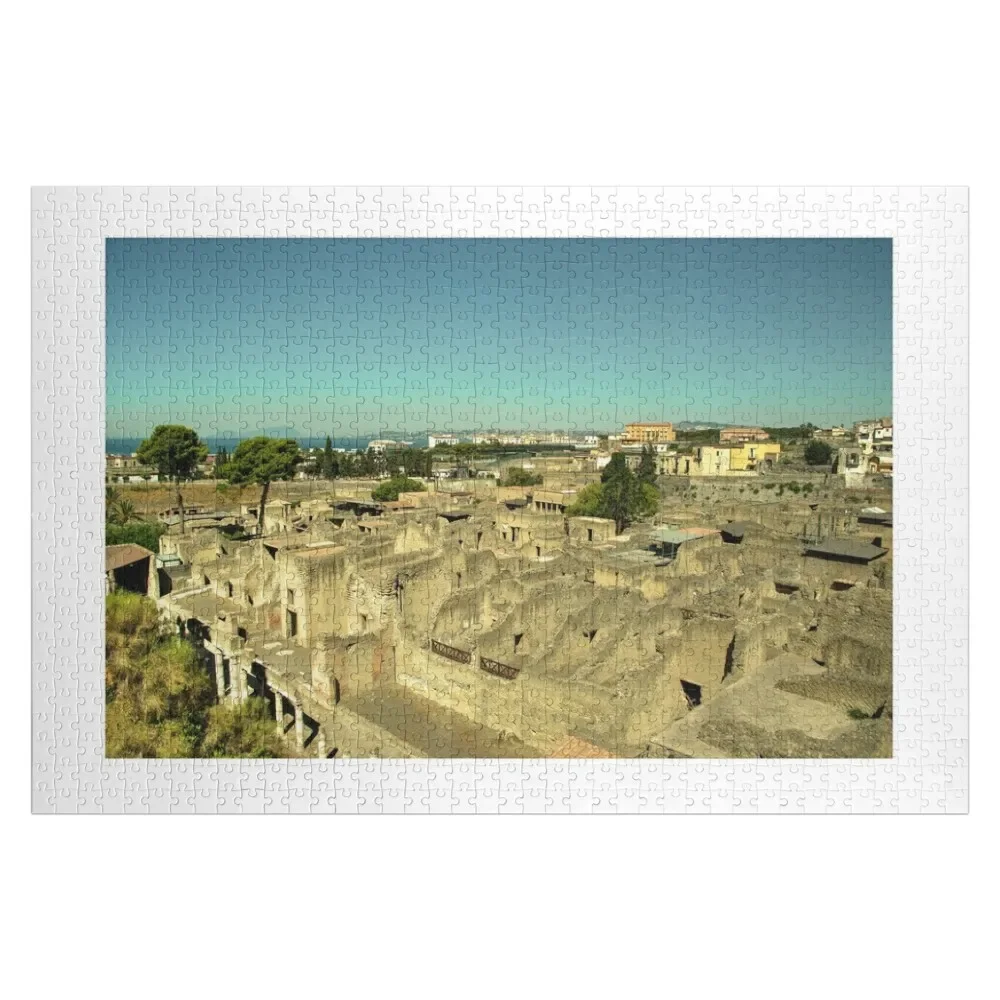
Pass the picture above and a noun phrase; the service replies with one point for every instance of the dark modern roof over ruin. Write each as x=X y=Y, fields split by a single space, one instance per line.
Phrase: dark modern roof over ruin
x=736 y=529
x=677 y=536
x=846 y=548
x=117 y=556
x=875 y=517
x=194 y=519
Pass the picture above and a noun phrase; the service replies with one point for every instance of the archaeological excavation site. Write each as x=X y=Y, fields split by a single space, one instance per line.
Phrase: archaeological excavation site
x=473 y=620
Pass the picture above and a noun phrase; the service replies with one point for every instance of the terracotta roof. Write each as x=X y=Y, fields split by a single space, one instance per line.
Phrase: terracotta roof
x=116 y=556
x=572 y=747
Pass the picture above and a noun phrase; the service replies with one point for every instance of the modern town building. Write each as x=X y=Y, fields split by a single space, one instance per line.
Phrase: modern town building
x=381 y=446
x=736 y=435
x=721 y=460
x=643 y=433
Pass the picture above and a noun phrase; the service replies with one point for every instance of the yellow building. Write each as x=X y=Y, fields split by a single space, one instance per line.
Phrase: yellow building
x=754 y=455
x=721 y=460
x=648 y=433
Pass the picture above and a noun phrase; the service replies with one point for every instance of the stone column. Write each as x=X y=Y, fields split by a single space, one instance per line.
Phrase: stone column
x=300 y=726
x=321 y=744
x=279 y=712
x=235 y=692
x=220 y=677
x=153 y=580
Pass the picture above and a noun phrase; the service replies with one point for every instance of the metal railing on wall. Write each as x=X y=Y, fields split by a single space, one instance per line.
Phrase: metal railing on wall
x=459 y=655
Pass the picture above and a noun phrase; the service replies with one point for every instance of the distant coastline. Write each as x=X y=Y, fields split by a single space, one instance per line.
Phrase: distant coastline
x=128 y=445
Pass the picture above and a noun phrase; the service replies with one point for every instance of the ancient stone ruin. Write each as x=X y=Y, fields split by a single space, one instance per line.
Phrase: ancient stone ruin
x=487 y=623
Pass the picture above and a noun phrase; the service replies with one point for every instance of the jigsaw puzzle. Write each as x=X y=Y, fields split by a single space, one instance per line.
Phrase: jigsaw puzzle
x=499 y=498
x=546 y=497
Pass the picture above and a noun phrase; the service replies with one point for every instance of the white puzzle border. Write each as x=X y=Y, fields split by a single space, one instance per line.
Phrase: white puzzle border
x=929 y=770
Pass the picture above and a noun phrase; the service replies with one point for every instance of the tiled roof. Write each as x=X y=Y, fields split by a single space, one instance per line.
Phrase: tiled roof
x=116 y=556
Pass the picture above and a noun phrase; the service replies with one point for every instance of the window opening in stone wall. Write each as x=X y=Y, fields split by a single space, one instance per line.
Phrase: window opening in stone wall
x=292 y=623
x=518 y=636
x=692 y=692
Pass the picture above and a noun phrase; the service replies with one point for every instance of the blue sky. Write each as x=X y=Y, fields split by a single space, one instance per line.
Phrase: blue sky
x=401 y=337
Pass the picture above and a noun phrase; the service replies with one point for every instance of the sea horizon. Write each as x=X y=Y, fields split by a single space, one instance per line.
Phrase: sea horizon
x=129 y=445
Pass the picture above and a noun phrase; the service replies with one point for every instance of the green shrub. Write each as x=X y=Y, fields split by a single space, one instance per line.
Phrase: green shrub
x=520 y=477
x=161 y=701
x=391 y=488
x=818 y=453
x=144 y=533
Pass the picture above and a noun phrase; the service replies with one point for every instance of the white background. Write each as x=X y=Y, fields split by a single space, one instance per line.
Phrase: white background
x=508 y=94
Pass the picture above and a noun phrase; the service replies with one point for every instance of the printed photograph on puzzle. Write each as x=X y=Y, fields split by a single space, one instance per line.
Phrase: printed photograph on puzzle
x=515 y=498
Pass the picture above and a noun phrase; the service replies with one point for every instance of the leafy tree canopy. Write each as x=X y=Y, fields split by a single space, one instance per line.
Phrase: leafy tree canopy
x=587 y=503
x=622 y=498
x=391 y=488
x=818 y=453
x=615 y=469
x=262 y=460
x=647 y=465
x=521 y=477
x=144 y=533
x=123 y=512
x=699 y=437
x=174 y=451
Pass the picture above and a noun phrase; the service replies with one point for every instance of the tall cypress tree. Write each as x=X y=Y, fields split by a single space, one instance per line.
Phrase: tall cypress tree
x=647 y=465
x=326 y=465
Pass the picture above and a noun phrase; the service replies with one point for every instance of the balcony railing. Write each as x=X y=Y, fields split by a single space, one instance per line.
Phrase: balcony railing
x=458 y=655
x=504 y=670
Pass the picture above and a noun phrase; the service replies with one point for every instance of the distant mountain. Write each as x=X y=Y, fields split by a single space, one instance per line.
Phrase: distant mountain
x=699 y=425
